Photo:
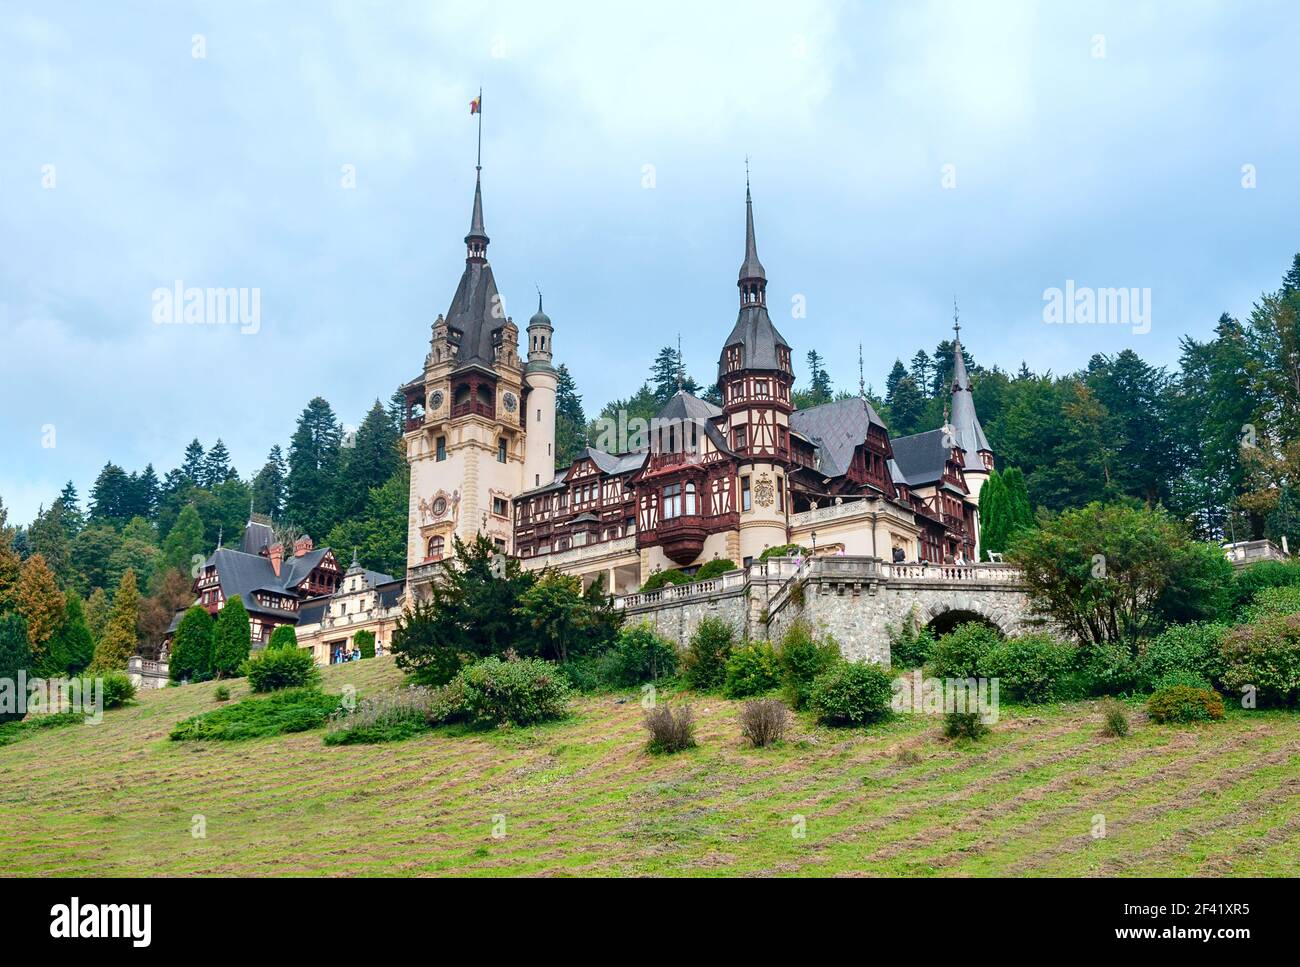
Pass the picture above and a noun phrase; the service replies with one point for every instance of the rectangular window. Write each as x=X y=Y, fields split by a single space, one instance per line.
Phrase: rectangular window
x=499 y=506
x=740 y=435
x=672 y=501
x=780 y=494
x=441 y=446
x=744 y=493
x=501 y=450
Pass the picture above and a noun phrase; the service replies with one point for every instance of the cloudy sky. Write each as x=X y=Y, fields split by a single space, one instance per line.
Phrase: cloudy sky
x=323 y=154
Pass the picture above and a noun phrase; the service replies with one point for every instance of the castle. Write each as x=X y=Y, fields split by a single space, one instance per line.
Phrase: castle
x=705 y=483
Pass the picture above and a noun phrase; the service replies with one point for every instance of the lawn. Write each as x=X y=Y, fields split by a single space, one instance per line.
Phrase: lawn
x=581 y=797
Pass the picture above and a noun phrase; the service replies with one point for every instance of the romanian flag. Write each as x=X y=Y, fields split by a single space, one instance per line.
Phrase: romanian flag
x=476 y=105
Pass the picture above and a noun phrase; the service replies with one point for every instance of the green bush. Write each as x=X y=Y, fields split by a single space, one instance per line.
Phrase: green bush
x=386 y=717
x=957 y=654
x=1180 y=676
x=1264 y=574
x=222 y=694
x=713 y=568
x=231 y=639
x=704 y=666
x=803 y=657
x=1195 y=648
x=911 y=644
x=657 y=580
x=292 y=710
x=495 y=692
x=1182 y=703
x=593 y=673
x=365 y=643
x=752 y=669
x=118 y=689
x=964 y=725
x=283 y=667
x=283 y=637
x=191 y=655
x=851 y=693
x=1110 y=668
x=642 y=655
x=1272 y=601
x=1114 y=719
x=784 y=550
x=1030 y=668
x=1266 y=655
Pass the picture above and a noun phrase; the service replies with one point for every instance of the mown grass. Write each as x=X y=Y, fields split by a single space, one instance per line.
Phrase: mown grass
x=583 y=797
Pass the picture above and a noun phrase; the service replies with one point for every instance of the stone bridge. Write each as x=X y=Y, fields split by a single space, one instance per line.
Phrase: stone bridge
x=857 y=599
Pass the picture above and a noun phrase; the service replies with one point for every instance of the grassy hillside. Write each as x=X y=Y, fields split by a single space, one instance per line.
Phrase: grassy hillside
x=580 y=797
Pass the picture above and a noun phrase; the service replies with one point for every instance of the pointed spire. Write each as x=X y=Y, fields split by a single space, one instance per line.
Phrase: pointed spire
x=965 y=422
x=960 y=379
x=753 y=280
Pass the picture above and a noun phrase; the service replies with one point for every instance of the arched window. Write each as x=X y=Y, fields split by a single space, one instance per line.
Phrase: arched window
x=436 y=545
x=690 y=498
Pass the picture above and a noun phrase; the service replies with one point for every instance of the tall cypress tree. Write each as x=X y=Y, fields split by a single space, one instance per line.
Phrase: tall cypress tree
x=231 y=639
x=191 y=656
x=995 y=515
x=72 y=648
x=120 y=638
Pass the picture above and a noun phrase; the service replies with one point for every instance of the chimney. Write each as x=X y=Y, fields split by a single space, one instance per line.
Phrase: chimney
x=276 y=555
x=302 y=545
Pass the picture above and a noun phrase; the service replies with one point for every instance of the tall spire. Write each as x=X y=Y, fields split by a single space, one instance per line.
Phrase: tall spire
x=965 y=422
x=753 y=280
x=476 y=242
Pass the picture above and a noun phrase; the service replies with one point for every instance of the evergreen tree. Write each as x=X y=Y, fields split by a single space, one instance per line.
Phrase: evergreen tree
x=397 y=411
x=191 y=655
x=92 y=553
x=1135 y=396
x=285 y=637
x=231 y=639
x=898 y=372
x=120 y=638
x=192 y=467
x=269 y=484
x=216 y=466
x=369 y=462
x=906 y=408
x=15 y=655
x=71 y=648
x=378 y=532
x=922 y=370
x=1021 y=513
x=313 y=460
x=184 y=544
x=668 y=374
x=570 y=421
x=941 y=374
x=73 y=518
x=48 y=537
x=111 y=497
x=97 y=610
x=41 y=604
x=995 y=515
x=819 y=382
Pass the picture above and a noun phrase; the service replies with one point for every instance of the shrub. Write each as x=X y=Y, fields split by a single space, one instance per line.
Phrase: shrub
x=446 y=703
x=1265 y=654
x=1193 y=648
x=704 y=666
x=657 y=580
x=15 y=655
x=957 y=654
x=642 y=655
x=670 y=732
x=1182 y=703
x=763 y=721
x=1114 y=719
x=851 y=693
x=803 y=657
x=1180 y=676
x=292 y=710
x=365 y=643
x=713 y=568
x=1265 y=574
x=387 y=717
x=752 y=669
x=118 y=689
x=593 y=673
x=1272 y=601
x=283 y=637
x=1110 y=668
x=1030 y=667
x=231 y=639
x=784 y=550
x=283 y=667
x=520 y=692
x=964 y=725
x=222 y=694
x=911 y=644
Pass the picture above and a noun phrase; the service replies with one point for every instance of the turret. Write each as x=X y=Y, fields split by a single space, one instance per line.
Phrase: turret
x=540 y=383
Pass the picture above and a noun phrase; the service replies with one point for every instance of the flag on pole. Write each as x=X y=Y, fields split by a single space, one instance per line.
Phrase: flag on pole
x=476 y=105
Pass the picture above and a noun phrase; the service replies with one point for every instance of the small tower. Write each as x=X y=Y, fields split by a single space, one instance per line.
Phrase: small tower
x=966 y=429
x=540 y=383
x=755 y=376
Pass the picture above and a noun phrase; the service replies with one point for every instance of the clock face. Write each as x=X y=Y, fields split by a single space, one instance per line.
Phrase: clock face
x=435 y=400
x=510 y=401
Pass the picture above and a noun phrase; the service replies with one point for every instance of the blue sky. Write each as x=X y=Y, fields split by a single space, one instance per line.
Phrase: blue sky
x=127 y=163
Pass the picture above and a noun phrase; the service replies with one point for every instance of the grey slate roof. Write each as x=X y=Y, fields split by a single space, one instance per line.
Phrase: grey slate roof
x=758 y=339
x=969 y=433
x=683 y=406
x=476 y=298
x=256 y=536
x=921 y=457
x=837 y=429
x=751 y=268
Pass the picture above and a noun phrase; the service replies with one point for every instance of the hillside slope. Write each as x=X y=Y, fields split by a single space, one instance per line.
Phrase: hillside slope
x=581 y=797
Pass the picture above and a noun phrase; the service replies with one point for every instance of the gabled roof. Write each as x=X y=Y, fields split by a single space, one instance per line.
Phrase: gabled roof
x=837 y=429
x=256 y=536
x=921 y=457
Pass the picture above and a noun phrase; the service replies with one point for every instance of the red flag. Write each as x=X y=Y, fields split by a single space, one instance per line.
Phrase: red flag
x=476 y=105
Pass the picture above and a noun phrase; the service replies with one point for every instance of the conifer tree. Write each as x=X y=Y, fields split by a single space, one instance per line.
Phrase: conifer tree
x=192 y=467
x=570 y=421
x=41 y=603
x=184 y=543
x=231 y=639
x=15 y=655
x=120 y=639
x=313 y=460
x=72 y=648
x=995 y=515
x=191 y=654
x=269 y=484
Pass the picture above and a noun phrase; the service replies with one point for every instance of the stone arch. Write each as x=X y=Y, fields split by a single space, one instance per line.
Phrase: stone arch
x=943 y=616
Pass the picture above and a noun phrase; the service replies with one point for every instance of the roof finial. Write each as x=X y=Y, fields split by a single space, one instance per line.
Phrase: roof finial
x=956 y=322
x=681 y=375
x=354 y=555
x=539 y=296
x=862 y=381
x=219 y=533
x=250 y=506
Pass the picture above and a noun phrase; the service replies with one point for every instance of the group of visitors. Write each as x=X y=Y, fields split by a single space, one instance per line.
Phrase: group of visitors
x=348 y=653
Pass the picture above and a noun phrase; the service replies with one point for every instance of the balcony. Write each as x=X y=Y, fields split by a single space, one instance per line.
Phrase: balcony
x=474 y=408
x=682 y=537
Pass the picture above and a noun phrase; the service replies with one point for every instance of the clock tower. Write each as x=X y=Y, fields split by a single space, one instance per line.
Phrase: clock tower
x=465 y=424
